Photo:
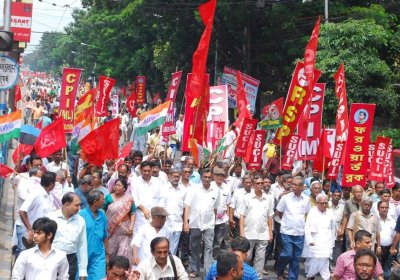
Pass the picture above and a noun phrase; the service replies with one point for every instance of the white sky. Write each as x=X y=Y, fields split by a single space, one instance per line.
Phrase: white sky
x=48 y=15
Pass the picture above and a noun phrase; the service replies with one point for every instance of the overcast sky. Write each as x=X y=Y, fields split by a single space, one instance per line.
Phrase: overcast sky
x=49 y=15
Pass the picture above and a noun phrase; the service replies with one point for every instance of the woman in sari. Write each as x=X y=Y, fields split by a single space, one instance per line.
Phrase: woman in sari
x=120 y=210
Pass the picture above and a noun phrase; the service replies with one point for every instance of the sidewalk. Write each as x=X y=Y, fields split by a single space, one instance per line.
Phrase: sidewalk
x=6 y=228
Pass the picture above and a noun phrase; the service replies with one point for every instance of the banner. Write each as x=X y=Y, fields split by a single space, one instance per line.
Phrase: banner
x=169 y=126
x=295 y=103
x=335 y=163
x=310 y=124
x=378 y=159
x=21 y=21
x=130 y=104
x=272 y=115
x=217 y=119
x=105 y=87
x=115 y=104
x=291 y=153
x=389 y=168
x=140 y=89
x=244 y=137
x=342 y=118
x=355 y=166
x=255 y=161
x=69 y=87
x=250 y=87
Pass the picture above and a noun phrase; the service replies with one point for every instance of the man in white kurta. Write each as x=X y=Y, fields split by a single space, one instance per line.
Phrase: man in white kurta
x=319 y=239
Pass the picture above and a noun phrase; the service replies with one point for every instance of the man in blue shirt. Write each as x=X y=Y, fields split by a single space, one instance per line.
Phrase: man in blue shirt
x=96 y=232
x=85 y=187
x=239 y=246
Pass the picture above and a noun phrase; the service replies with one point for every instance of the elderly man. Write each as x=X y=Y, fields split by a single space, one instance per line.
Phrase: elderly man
x=319 y=238
x=364 y=219
x=292 y=209
x=156 y=228
x=85 y=187
x=71 y=235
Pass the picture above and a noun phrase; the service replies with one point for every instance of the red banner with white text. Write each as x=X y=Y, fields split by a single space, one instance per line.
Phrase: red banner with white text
x=69 y=87
x=389 y=168
x=140 y=89
x=244 y=137
x=310 y=124
x=217 y=119
x=335 y=163
x=168 y=127
x=355 y=166
x=290 y=153
x=296 y=101
x=255 y=160
x=105 y=86
x=378 y=159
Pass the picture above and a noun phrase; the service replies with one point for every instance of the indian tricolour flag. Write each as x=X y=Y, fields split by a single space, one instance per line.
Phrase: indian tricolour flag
x=152 y=119
x=10 y=126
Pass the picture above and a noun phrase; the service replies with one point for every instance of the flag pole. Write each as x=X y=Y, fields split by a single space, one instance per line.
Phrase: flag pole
x=280 y=154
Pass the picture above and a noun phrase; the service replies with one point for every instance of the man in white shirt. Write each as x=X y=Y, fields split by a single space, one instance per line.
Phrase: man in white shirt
x=337 y=212
x=159 y=264
x=179 y=129
x=319 y=238
x=173 y=202
x=71 y=235
x=388 y=225
x=24 y=189
x=225 y=193
x=146 y=193
x=236 y=202
x=292 y=209
x=42 y=261
x=38 y=204
x=56 y=164
x=62 y=186
x=156 y=228
x=256 y=213
x=201 y=205
x=384 y=195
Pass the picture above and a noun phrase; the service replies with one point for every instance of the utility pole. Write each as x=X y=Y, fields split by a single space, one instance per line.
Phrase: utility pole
x=326 y=11
x=7 y=27
x=215 y=62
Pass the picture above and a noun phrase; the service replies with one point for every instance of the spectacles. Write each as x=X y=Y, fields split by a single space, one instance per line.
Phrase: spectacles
x=323 y=203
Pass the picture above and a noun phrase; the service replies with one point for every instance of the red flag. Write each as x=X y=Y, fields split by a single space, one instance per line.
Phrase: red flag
x=323 y=155
x=51 y=139
x=244 y=137
x=255 y=160
x=241 y=102
x=199 y=60
x=342 y=115
x=105 y=86
x=378 y=160
x=39 y=125
x=123 y=154
x=310 y=56
x=18 y=95
x=130 y=104
x=5 y=170
x=102 y=143
x=21 y=151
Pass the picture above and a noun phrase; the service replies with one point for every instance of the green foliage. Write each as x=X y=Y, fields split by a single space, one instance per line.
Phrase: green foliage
x=391 y=133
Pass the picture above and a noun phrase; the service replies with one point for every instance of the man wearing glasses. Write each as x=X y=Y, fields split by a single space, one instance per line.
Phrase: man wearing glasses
x=319 y=238
x=292 y=209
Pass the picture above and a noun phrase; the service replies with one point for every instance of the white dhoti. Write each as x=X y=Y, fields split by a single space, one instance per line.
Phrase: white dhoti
x=313 y=266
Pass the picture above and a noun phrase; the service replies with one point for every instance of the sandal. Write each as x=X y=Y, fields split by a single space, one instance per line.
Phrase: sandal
x=193 y=274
